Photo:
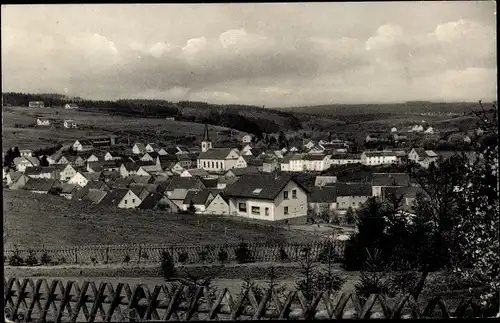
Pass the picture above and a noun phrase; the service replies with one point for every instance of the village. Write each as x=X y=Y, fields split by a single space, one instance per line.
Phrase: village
x=244 y=181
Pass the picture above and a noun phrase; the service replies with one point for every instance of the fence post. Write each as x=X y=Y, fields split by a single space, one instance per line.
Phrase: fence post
x=107 y=254
x=140 y=251
x=76 y=255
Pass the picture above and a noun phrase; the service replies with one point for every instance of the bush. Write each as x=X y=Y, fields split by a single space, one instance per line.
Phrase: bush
x=222 y=256
x=167 y=267
x=31 y=259
x=243 y=254
x=45 y=259
x=183 y=257
x=126 y=259
x=203 y=254
x=145 y=255
x=16 y=259
x=328 y=254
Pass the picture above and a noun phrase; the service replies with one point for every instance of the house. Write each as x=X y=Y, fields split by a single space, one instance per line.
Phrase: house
x=422 y=157
x=294 y=149
x=324 y=180
x=162 y=152
x=64 y=159
x=334 y=147
x=296 y=163
x=394 y=129
x=268 y=197
x=199 y=198
x=316 y=149
x=130 y=168
x=80 y=161
x=398 y=137
x=246 y=139
x=83 y=145
x=371 y=158
x=430 y=130
x=142 y=180
x=380 y=180
x=479 y=132
x=194 y=172
x=176 y=168
x=111 y=156
x=42 y=122
x=344 y=159
x=147 y=170
x=417 y=128
x=236 y=172
x=467 y=139
x=70 y=106
x=309 y=145
x=69 y=191
x=16 y=180
x=94 y=185
x=184 y=183
x=140 y=191
x=35 y=104
x=177 y=196
x=5 y=172
x=316 y=162
x=244 y=161
x=158 y=201
x=64 y=172
x=41 y=185
x=222 y=182
x=138 y=148
x=409 y=194
x=69 y=123
x=94 y=196
x=121 y=198
x=103 y=166
x=150 y=157
x=352 y=195
x=83 y=178
x=218 y=159
x=322 y=199
x=40 y=172
x=26 y=153
x=210 y=183
x=218 y=206
x=247 y=149
x=270 y=164
x=21 y=163
x=186 y=160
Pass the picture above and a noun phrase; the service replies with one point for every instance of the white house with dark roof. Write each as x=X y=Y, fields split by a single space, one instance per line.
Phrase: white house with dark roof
x=345 y=158
x=218 y=206
x=322 y=199
x=21 y=163
x=380 y=180
x=218 y=159
x=199 y=198
x=70 y=106
x=152 y=147
x=373 y=158
x=267 y=197
x=138 y=149
x=352 y=195
x=246 y=139
x=83 y=145
x=42 y=122
x=68 y=123
x=422 y=157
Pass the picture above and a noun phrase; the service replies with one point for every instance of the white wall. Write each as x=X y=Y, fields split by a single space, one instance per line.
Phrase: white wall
x=296 y=207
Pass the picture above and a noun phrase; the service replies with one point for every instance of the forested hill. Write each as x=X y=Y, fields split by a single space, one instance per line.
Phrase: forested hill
x=250 y=119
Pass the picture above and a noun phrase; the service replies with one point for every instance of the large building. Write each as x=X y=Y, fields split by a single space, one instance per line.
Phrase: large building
x=217 y=160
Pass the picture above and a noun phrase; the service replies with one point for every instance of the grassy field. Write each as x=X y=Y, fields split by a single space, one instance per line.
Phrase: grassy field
x=31 y=220
x=90 y=124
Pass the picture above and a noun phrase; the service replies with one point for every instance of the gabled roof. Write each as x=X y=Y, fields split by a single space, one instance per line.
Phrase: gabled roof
x=140 y=146
x=409 y=191
x=114 y=197
x=185 y=157
x=151 y=201
x=215 y=153
x=122 y=182
x=92 y=176
x=355 y=189
x=250 y=170
x=97 y=185
x=85 y=142
x=38 y=170
x=40 y=184
x=68 y=188
x=197 y=172
x=183 y=182
x=345 y=156
x=267 y=186
x=150 y=187
x=324 y=194
x=32 y=160
x=178 y=194
x=380 y=153
x=153 y=154
x=140 y=179
x=227 y=180
x=209 y=182
x=14 y=176
x=390 y=179
x=251 y=160
x=314 y=157
x=154 y=146
x=198 y=197
x=138 y=189
x=134 y=166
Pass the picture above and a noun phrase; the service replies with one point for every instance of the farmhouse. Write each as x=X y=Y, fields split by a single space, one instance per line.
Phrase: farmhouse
x=83 y=178
x=422 y=157
x=21 y=163
x=95 y=196
x=186 y=160
x=149 y=157
x=42 y=122
x=380 y=180
x=218 y=206
x=316 y=162
x=35 y=104
x=199 y=198
x=83 y=145
x=121 y=198
x=372 y=158
x=64 y=172
x=16 y=180
x=69 y=191
x=69 y=123
x=130 y=168
x=158 y=201
x=322 y=199
x=41 y=185
x=267 y=197
x=70 y=106
x=352 y=195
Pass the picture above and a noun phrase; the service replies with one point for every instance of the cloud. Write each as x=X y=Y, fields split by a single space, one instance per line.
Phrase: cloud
x=386 y=36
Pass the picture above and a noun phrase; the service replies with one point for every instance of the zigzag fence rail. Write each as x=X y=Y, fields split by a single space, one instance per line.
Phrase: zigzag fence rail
x=152 y=253
x=41 y=301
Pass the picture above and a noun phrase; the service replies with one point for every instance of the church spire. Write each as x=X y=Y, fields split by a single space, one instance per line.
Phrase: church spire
x=205 y=136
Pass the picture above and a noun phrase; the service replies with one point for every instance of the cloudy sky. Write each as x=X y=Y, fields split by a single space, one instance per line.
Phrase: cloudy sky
x=263 y=54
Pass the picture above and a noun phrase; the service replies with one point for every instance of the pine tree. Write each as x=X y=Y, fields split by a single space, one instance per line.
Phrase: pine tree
x=16 y=153
x=191 y=208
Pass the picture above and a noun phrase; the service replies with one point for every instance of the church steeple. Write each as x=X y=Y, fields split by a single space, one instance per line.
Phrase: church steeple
x=206 y=144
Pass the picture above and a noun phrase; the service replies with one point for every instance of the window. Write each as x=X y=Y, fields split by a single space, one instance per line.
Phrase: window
x=267 y=211
x=256 y=210
x=133 y=200
x=242 y=207
x=286 y=210
x=125 y=201
x=294 y=194
x=285 y=195
x=205 y=164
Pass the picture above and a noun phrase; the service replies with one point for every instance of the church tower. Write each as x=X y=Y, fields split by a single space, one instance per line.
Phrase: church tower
x=206 y=144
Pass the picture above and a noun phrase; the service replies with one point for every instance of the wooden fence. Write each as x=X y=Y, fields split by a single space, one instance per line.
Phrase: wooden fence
x=42 y=301
x=199 y=254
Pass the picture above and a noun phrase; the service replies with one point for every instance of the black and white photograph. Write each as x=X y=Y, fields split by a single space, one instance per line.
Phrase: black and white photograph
x=250 y=161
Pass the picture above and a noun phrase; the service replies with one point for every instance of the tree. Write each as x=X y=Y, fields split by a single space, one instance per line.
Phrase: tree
x=9 y=158
x=44 y=162
x=191 y=208
x=167 y=267
x=16 y=152
x=479 y=229
x=350 y=216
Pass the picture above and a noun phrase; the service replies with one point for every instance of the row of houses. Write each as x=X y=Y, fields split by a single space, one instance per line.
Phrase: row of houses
x=47 y=122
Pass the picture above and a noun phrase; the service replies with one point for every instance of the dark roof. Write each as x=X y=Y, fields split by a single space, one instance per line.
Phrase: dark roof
x=314 y=157
x=183 y=182
x=92 y=176
x=150 y=201
x=85 y=142
x=114 y=197
x=181 y=157
x=227 y=180
x=345 y=156
x=409 y=191
x=245 y=171
x=270 y=186
x=140 y=179
x=153 y=154
x=390 y=179
x=134 y=166
x=325 y=194
x=355 y=189
x=215 y=153
x=97 y=185
x=381 y=153
x=198 y=197
x=167 y=158
x=68 y=188
x=253 y=161
x=40 y=184
x=122 y=182
x=137 y=189
x=38 y=170
x=209 y=182
x=171 y=150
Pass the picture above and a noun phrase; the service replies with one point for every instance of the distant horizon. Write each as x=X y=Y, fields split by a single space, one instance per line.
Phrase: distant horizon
x=272 y=54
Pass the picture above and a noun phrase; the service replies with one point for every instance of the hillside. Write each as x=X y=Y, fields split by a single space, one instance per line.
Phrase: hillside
x=32 y=219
